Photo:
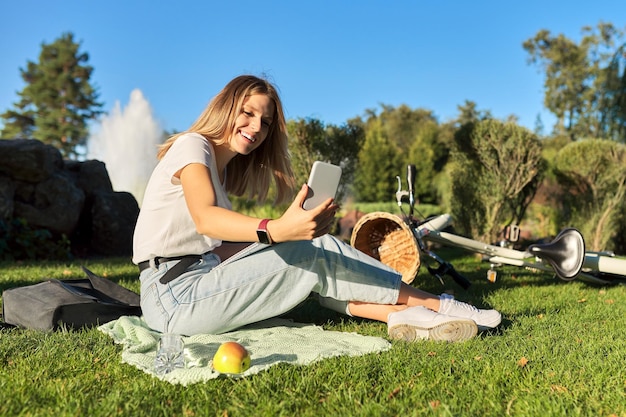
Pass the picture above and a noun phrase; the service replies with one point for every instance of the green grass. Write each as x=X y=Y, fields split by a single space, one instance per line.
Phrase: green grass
x=560 y=351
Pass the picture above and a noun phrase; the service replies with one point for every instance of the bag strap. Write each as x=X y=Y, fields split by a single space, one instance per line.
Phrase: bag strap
x=113 y=290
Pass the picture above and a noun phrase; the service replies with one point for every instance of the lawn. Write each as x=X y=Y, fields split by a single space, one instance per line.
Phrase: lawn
x=560 y=351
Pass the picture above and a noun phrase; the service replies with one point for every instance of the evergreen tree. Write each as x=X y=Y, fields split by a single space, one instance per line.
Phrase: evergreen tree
x=58 y=99
x=378 y=167
x=423 y=154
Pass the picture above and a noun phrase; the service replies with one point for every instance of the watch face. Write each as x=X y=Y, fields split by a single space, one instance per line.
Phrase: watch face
x=263 y=237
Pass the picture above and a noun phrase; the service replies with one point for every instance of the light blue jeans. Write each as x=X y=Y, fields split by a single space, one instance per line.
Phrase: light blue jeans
x=261 y=282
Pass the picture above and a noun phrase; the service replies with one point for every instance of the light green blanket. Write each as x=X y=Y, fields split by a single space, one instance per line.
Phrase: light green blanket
x=269 y=342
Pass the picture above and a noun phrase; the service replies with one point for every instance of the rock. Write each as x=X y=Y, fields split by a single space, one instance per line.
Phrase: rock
x=91 y=176
x=113 y=219
x=55 y=204
x=74 y=198
x=29 y=160
x=7 y=193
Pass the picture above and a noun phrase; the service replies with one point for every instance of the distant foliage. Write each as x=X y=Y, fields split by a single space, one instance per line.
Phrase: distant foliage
x=19 y=241
x=429 y=155
x=378 y=167
x=311 y=140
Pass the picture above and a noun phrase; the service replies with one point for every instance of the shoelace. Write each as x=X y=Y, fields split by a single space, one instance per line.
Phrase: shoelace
x=465 y=306
x=460 y=304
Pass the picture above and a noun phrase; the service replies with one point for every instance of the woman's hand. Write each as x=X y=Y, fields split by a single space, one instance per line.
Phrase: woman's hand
x=300 y=224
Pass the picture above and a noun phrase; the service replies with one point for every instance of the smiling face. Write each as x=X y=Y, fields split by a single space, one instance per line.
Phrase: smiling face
x=252 y=124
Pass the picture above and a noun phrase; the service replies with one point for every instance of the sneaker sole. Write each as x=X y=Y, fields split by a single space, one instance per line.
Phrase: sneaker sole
x=490 y=326
x=451 y=331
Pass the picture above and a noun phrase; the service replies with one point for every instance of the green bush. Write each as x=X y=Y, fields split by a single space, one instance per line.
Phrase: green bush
x=496 y=169
x=593 y=175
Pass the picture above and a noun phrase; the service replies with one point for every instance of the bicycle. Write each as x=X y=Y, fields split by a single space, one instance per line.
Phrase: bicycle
x=400 y=242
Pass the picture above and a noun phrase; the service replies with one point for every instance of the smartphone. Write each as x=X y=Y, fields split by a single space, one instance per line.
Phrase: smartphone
x=323 y=183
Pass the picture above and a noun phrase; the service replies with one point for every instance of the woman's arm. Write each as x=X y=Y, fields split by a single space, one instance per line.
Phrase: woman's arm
x=211 y=220
x=220 y=223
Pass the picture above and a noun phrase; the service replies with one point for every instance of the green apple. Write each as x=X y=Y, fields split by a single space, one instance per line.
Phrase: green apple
x=231 y=358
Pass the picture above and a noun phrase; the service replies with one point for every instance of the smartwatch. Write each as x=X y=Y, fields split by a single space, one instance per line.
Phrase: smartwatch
x=262 y=233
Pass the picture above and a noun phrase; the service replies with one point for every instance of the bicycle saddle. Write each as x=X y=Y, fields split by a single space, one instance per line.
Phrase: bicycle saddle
x=565 y=253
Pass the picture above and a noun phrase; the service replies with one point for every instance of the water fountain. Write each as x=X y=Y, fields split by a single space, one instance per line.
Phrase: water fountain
x=126 y=141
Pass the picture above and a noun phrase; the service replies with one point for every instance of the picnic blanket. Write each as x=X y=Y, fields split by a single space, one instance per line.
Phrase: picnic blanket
x=269 y=342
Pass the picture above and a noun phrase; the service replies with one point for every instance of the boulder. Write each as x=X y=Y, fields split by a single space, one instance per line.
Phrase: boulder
x=29 y=160
x=113 y=219
x=7 y=193
x=72 y=198
x=91 y=176
x=55 y=204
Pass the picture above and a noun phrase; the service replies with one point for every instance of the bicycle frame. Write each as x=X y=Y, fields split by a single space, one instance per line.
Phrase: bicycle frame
x=598 y=267
x=594 y=262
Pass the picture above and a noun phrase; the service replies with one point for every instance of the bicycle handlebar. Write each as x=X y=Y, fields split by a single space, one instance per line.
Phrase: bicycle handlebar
x=410 y=179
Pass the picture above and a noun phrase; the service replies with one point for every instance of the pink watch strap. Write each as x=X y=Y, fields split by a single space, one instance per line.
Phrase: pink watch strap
x=263 y=224
x=263 y=227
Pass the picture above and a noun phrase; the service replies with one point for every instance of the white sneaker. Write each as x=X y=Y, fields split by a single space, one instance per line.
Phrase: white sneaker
x=415 y=323
x=485 y=319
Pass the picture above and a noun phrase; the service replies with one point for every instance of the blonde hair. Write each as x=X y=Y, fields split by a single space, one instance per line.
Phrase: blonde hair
x=247 y=174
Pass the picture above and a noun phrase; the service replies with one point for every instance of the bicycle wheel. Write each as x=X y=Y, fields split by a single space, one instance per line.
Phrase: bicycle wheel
x=387 y=238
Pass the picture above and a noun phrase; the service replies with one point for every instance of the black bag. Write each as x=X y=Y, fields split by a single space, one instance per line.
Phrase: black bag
x=70 y=303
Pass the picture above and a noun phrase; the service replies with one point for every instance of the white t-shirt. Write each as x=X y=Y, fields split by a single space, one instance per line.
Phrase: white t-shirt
x=165 y=227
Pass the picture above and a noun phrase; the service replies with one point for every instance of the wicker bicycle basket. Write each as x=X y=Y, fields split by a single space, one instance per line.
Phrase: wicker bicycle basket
x=387 y=238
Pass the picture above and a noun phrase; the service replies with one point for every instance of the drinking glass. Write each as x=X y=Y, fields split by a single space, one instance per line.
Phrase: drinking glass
x=170 y=354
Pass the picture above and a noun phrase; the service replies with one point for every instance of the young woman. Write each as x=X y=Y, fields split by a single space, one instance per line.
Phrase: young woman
x=208 y=269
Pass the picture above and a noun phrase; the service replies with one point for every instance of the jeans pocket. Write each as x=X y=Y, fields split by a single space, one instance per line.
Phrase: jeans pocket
x=154 y=312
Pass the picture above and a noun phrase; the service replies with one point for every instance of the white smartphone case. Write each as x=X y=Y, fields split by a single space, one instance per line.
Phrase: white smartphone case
x=323 y=183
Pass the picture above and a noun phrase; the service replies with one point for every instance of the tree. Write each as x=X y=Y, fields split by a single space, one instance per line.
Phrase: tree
x=58 y=99
x=378 y=161
x=418 y=140
x=401 y=124
x=614 y=97
x=464 y=124
x=494 y=176
x=311 y=140
x=581 y=80
x=594 y=173
x=469 y=113
x=423 y=154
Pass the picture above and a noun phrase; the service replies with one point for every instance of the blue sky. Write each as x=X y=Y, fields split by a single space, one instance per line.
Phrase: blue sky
x=331 y=59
